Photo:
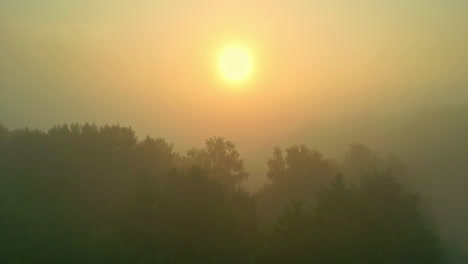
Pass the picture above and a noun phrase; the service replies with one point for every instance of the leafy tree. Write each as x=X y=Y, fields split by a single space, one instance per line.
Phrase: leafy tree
x=276 y=165
x=194 y=220
x=290 y=238
x=376 y=222
x=394 y=228
x=221 y=160
x=296 y=176
x=97 y=194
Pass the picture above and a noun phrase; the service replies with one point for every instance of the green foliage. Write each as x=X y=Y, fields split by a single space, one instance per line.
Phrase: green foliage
x=90 y=194
x=302 y=172
x=375 y=222
x=295 y=176
x=221 y=160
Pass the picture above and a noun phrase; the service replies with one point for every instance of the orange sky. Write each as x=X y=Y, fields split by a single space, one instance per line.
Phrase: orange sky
x=151 y=64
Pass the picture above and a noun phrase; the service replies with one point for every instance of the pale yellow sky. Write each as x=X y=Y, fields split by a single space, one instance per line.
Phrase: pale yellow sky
x=152 y=64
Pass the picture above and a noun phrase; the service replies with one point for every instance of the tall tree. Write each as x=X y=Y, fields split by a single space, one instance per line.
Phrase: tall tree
x=294 y=176
x=375 y=222
x=221 y=160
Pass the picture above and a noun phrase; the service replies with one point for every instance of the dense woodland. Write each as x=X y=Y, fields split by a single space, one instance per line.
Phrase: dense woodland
x=90 y=194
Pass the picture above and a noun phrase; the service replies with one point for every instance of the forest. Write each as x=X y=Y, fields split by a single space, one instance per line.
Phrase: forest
x=84 y=193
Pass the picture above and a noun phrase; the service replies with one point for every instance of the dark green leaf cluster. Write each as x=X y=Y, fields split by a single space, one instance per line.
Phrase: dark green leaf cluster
x=373 y=222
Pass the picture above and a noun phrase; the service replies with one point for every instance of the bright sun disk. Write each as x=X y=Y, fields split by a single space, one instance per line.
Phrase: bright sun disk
x=235 y=63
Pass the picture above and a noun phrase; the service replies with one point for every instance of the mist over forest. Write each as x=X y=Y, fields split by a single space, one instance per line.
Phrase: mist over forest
x=243 y=131
x=100 y=194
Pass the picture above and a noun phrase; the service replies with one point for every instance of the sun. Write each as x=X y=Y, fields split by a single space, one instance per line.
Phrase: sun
x=235 y=63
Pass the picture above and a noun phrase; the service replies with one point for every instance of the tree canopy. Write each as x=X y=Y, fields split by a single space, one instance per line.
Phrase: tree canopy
x=98 y=194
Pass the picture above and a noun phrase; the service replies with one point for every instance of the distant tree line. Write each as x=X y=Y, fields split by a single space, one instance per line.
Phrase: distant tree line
x=97 y=194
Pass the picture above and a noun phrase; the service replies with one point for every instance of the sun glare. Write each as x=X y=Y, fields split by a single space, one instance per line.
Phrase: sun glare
x=235 y=63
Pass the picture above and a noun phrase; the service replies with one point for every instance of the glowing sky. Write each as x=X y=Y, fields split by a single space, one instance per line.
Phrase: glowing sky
x=152 y=64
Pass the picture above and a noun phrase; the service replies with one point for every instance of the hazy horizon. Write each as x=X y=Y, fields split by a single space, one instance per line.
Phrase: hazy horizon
x=391 y=75
x=151 y=64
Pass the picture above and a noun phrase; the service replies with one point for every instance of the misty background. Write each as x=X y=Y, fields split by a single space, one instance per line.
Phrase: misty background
x=391 y=74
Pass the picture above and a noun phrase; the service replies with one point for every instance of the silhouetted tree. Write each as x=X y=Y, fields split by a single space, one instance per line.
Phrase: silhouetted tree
x=221 y=160
x=375 y=222
x=297 y=176
x=97 y=194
